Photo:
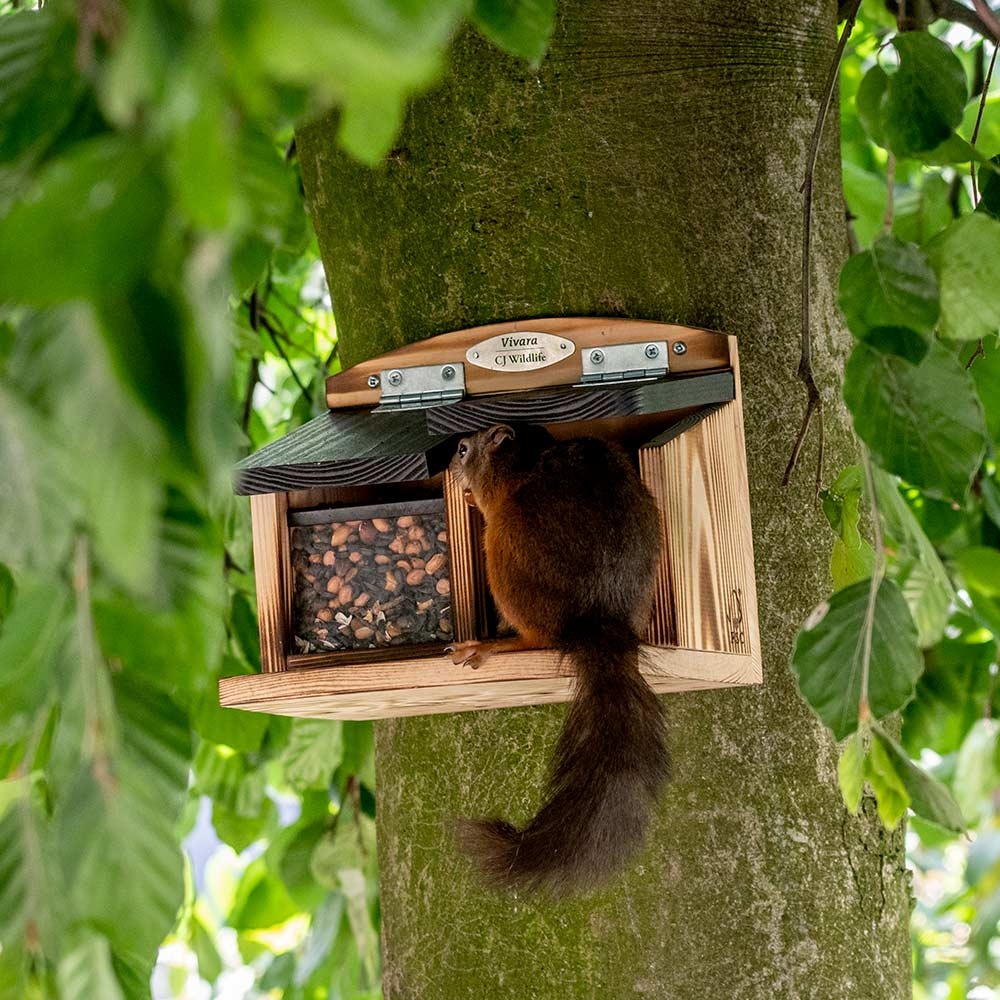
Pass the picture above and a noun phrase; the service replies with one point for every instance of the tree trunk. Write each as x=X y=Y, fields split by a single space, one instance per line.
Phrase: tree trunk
x=650 y=168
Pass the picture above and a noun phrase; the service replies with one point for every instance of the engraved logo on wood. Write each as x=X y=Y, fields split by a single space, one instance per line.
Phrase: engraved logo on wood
x=523 y=351
x=734 y=618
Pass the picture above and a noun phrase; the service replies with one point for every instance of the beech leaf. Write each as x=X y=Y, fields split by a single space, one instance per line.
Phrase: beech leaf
x=828 y=655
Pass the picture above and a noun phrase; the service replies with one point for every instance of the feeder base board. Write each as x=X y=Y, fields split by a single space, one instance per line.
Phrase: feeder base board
x=434 y=686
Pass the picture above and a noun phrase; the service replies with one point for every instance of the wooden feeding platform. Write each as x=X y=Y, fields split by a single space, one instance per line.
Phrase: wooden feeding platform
x=369 y=561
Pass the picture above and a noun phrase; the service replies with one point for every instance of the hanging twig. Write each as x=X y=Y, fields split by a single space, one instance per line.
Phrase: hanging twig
x=980 y=351
x=814 y=402
x=979 y=122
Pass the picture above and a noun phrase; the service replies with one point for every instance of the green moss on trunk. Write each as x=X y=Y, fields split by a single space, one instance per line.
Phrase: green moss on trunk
x=650 y=168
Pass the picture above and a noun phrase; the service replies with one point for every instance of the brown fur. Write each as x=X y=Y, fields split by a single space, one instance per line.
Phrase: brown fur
x=572 y=543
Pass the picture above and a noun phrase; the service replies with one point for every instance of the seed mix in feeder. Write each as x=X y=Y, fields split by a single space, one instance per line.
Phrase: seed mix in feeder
x=369 y=582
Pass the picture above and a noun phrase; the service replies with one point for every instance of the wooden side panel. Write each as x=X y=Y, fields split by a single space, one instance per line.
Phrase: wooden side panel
x=699 y=480
x=428 y=687
x=463 y=560
x=661 y=631
x=273 y=571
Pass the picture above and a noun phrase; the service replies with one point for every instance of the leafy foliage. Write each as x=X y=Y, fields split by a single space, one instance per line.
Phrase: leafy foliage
x=920 y=143
x=161 y=311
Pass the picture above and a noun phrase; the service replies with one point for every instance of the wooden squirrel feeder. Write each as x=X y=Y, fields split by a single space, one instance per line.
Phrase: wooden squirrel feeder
x=368 y=559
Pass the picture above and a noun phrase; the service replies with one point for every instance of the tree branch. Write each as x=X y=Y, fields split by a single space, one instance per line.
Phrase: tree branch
x=258 y=319
x=814 y=402
x=958 y=13
x=979 y=122
x=990 y=21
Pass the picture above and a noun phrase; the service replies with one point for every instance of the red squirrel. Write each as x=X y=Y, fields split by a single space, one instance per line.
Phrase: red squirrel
x=572 y=542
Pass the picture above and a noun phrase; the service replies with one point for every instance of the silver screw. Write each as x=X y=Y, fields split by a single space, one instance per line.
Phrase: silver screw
x=680 y=347
x=475 y=354
x=448 y=373
x=395 y=377
x=373 y=381
x=597 y=357
x=562 y=347
x=652 y=351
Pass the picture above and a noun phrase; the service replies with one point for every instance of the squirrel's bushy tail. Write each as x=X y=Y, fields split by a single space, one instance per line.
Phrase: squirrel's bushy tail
x=609 y=764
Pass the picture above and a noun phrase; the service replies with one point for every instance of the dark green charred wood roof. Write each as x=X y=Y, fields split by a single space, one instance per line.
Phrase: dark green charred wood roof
x=345 y=449
x=356 y=447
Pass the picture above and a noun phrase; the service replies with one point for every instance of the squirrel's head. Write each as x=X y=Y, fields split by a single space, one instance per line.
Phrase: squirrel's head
x=476 y=457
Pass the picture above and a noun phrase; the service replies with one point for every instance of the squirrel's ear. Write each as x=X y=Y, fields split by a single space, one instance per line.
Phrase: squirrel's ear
x=496 y=436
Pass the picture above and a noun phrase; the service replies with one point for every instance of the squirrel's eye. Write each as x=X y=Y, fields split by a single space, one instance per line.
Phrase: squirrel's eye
x=463 y=450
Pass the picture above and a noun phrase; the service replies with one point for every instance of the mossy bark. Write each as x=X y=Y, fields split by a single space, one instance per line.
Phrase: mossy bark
x=650 y=168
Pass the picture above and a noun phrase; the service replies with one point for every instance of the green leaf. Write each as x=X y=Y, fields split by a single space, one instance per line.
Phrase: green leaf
x=889 y=297
x=976 y=773
x=868 y=102
x=202 y=943
x=521 y=27
x=985 y=373
x=116 y=830
x=916 y=565
x=313 y=753
x=925 y=98
x=952 y=691
x=369 y=58
x=38 y=505
x=923 y=211
x=923 y=423
x=350 y=845
x=30 y=889
x=30 y=643
x=40 y=87
x=954 y=150
x=243 y=731
x=865 y=192
x=78 y=234
x=828 y=655
x=852 y=557
x=322 y=932
x=295 y=845
x=369 y=125
x=86 y=972
x=989 y=187
x=890 y=792
x=980 y=569
x=991 y=499
x=850 y=771
x=239 y=832
x=929 y=799
x=261 y=900
x=243 y=622
x=112 y=444
x=897 y=341
x=966 y=257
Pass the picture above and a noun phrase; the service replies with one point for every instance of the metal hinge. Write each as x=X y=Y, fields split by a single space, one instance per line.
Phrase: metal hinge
x=625 y=362
x=422 y=386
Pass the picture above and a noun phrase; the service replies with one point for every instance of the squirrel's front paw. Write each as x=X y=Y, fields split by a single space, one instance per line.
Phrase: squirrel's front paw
x=469 y=654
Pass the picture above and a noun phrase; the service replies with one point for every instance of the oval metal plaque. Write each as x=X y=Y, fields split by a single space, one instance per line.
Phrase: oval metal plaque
x=524 y=351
